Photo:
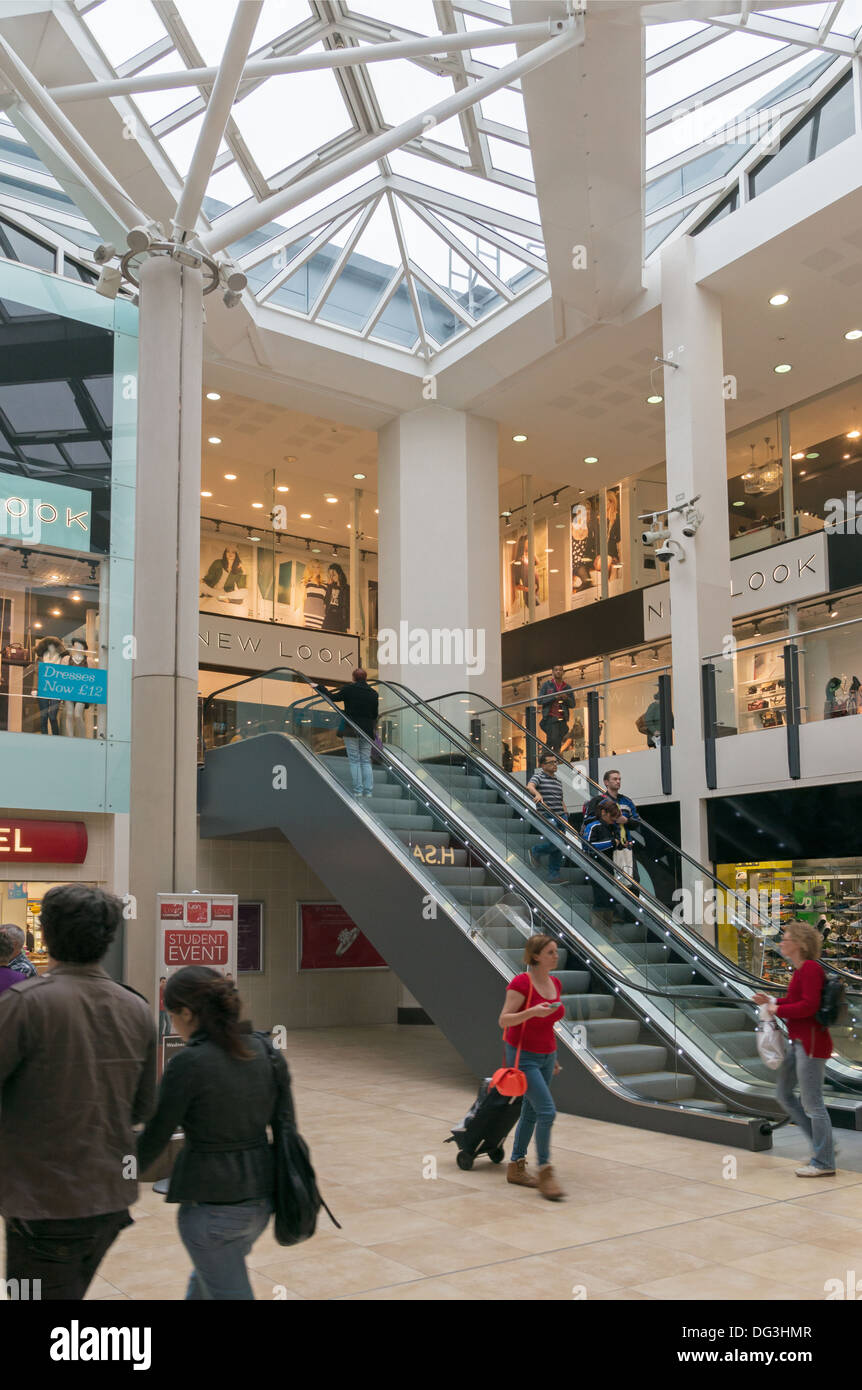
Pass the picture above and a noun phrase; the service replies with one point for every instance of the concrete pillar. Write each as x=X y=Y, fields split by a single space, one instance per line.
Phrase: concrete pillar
x=696 y=463
x=163 y=821
x=439 y=552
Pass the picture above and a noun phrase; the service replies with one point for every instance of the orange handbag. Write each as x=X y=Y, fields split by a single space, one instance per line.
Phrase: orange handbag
x=511 y=1081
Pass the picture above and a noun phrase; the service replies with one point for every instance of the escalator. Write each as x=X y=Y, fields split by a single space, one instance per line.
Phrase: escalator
x=435 y=869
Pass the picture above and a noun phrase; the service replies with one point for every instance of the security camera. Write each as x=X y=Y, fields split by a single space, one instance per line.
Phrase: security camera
x=653 y=537
x=138 y=240
x=692 y=520
x=236 y=281
x=109 y=282
x=103 y=253
x=232 y=298
x=665 y=552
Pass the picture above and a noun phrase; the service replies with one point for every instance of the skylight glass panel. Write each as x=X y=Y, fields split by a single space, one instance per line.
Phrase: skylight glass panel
x=496 y=57
x=208 y=23
x=179 y=145
x=279 y=17
x=397 y=324
x=440 y=322
x=424 y=247
x=481 y=191
x=119 y=40
x=229 y=186
x=506 y=107
x=849 y=20
x=448 y=133
x=505 y=266
x=290 y=116
x=403 y=89
x=661 y=36
x=417 y=15
x=810 y=15
x=722 y=59
x=51 y=407
x=378 y=240
x=513 y=159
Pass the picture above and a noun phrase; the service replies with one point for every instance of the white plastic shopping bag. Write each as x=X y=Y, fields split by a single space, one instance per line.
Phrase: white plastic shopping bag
x=770 y=1040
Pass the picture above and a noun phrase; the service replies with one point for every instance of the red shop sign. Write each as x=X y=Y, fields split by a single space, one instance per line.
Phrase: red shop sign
x=42 y=841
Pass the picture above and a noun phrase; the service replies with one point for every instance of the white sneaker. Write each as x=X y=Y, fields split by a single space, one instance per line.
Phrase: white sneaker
x=811 y=1172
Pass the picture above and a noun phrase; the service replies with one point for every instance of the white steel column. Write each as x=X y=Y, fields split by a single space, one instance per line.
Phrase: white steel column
x=163 y=821
x=530 y=576
x=355 y=617
x=439 y=568
x=696 y=463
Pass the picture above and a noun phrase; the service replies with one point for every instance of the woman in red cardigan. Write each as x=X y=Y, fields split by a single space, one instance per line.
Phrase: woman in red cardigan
x=810 y=1046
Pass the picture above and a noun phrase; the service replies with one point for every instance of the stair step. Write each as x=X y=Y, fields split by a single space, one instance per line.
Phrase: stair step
x=662 y=1085
x=632 y=1059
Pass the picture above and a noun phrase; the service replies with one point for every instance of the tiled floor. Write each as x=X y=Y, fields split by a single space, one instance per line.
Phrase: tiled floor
x=648 y=1216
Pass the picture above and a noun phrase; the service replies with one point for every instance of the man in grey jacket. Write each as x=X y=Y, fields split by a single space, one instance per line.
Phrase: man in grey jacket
x=77 y=1071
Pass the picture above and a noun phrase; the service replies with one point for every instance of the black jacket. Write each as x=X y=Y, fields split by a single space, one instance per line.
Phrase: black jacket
x=360 y=704
x=336 y=608
x=224 y=1105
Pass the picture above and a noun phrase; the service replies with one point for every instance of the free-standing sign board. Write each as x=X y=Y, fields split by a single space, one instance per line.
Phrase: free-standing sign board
x=330 y=940
x=191 y=929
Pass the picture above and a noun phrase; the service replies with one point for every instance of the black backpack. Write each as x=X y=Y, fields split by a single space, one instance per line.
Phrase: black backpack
x=832 y=1001
x=297 y=1199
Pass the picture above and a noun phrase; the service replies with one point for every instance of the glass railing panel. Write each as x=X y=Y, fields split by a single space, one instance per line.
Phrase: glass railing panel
x=830 y=675
x=623 y=704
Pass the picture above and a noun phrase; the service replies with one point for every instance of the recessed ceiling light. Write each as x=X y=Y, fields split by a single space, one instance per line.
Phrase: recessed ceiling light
x=778 y=299
x=290 y=458
x=782 y=368
x=854 y=434
x=213 y=396
x=206 y=494
x=853 y=334
x=555 y=571
x=230 y=477
x=55 y=579
x=797 y=456
x=214 y=439
x=305 y=516
x=519 y=439
x=254 y=538
x=802 y=471
x=315 y=550
x=350 y=525
x=590 y=458
x=812 y=456
x=654 y=400
x=37 y=625
x=845 y=456
x=257 y=505
x=76 y=598
x=282 y=488
x=376 y=511
x=332 y=499
x=56 y=612
x=359 y=477
x=739 y=504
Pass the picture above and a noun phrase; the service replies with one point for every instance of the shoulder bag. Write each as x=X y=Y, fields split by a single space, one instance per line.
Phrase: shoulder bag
x=511 y=1081
x=297 y=1199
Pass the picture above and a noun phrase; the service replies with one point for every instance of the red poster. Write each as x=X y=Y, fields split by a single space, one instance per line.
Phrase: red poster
x=329 y=940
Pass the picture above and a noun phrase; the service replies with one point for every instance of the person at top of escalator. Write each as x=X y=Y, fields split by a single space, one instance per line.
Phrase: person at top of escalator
x=531 y=1008
x=810 y=1047
x=360 y=707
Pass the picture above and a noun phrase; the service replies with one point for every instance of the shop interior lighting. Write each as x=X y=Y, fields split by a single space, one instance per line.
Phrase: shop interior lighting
x=853 y=334
x=778 y=299
x=782 y=368
x=654 y=400
x=360 y=477
x=591 y=458
x=332 y=499
x=214 y=439
x=213 y=395
x=282 y=487
x=519 y=439
x=854 y=434
x=230 y=477
x=799 y=455
x=206 y=494
x=305 y=516
x=258 y=506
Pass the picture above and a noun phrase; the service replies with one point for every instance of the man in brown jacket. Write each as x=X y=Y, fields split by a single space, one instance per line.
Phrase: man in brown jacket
x=77 y=1071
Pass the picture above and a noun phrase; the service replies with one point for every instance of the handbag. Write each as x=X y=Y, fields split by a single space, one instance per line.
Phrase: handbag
x=624 y=860
x=770 y=1040
x=511 y=1081
x=297 y=1199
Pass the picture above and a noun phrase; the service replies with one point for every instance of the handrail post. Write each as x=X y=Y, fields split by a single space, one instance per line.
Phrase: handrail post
x=665 y=733
x=530 y=725
x=791 y=713
x=593 y=741
x=709 y=719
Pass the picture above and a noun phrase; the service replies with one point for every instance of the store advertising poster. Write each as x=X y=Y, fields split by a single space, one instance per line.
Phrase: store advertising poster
x=191 y=929
x=330 y=940
x=249 y=939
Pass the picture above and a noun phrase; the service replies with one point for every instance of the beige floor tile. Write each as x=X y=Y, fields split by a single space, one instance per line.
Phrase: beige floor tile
x=625 y=1295
x=705 y=1199
x=336 y=1273
x=717 y=1238
x=383 y=1227
x=473 y=1209
x=797 y=1223
x=630 y=1260
x=835 y=1201
x=534 y=1279
x=425 y=1291
x=717 y=1283
x=785 y=1186
x=806 y=1267
x=101 y=1289
x=451 y=1250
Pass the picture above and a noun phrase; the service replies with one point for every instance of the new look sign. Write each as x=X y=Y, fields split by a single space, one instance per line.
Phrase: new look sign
x=44 y=513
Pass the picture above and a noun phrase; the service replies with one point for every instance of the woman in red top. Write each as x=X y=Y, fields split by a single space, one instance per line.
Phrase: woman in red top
x=533 y=1028
x=810 y=1046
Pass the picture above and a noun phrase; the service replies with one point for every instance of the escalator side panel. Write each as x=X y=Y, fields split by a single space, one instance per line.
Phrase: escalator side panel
x=455 y=983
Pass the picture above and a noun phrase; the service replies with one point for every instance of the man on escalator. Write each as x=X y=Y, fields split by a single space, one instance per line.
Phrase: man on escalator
x=630 y=816
x=546 y=790
x=604 y=835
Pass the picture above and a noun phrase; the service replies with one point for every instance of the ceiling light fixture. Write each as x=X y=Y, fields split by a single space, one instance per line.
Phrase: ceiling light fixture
x=282 y=487
x=812 y=456
x=360 y=477
x=799 y=455
x=833 y=610
x=213 y=396
x=845 y=456
x=206 y=494
x=290 y=458
x=258 y=506
x=230 y=477
x=519 y=439
x=214 y=439
x=305 y=516
x=853 y=334
x=782 y=368
x=332 y=499
x=854 y=434
x=590 y=458
x=654 y=400
x=76 y=598
x=777 y=299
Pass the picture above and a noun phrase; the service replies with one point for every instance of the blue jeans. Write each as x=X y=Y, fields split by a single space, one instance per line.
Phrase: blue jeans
x=218 y=1236
x=555 y=857
x=359 y=757
x=538 y=1110
x=812 y=1115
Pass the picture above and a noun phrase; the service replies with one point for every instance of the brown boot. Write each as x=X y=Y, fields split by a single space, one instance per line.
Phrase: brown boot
x=548 y=1185
x=517 y=1173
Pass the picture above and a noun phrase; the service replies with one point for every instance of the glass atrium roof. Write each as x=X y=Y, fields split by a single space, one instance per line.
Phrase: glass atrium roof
x=422 y=244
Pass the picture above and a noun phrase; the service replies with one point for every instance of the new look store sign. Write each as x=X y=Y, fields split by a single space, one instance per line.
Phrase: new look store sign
x=76 y=683
x=781 y=574
x=44 y=513
x=246 y=644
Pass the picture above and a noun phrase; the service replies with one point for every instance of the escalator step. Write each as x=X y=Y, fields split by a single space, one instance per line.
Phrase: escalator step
x=612 y=1032
x=581 y=1007
x=632 y=1059
x=404 y=822
x=727 y=1020
x=662 y=1085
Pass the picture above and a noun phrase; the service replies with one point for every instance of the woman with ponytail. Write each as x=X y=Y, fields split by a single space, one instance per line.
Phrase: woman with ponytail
x=221 y=1089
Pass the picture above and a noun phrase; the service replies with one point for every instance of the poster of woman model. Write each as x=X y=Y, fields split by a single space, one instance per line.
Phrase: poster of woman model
x=516 y=596
x=586 y=550
x=225 y=580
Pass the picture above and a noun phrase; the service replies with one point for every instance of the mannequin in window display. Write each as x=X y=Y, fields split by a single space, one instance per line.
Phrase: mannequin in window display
x=336 y=601
x=76 y=655
x=314 y=605
x=49 y=649
x=520 y=568
x=612 y=503
x=226 y=581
